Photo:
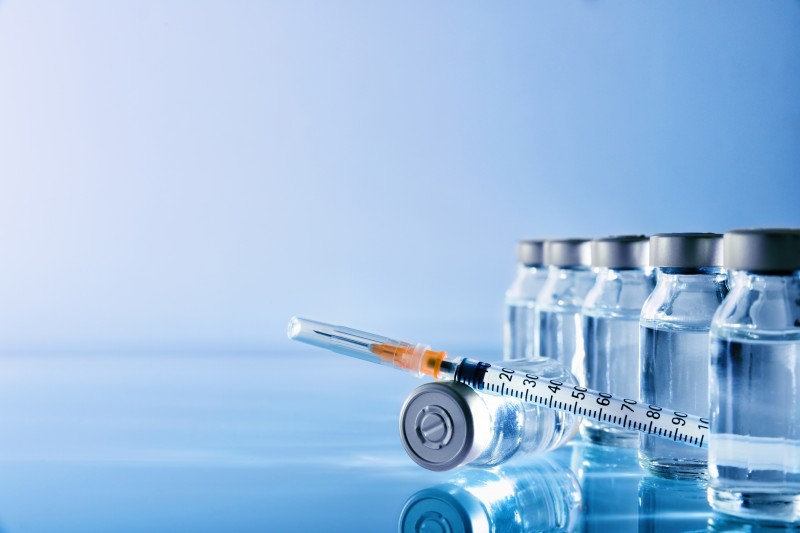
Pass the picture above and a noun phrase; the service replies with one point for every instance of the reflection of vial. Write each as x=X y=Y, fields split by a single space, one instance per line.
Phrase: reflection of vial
x=720 y=523
x=608 y=478
x=754 y=447
x=520 y=326
x=444 y=425
x=667 y=505
x=558 y=307
x=536 y=496
x=611 y=327
x=674 y=342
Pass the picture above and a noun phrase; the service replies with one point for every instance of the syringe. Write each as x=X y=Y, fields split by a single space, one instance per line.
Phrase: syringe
x=419 y=359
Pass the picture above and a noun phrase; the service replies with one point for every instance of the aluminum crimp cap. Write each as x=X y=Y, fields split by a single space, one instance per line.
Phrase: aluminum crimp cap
x=568 y=252
x=766 y=250
x=623 y=251
x=686 y=250
x=530 y=252
x=444 y=425
x=444 y=509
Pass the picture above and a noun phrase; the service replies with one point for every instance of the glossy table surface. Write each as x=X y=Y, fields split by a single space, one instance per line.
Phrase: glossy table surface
x=301 y=441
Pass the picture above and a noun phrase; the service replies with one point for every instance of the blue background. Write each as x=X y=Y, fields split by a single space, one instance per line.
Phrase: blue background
x=186 y=176
x=178 y=178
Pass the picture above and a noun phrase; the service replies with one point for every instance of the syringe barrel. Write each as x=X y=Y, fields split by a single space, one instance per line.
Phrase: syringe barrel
x=599 y=406
x=413 y=358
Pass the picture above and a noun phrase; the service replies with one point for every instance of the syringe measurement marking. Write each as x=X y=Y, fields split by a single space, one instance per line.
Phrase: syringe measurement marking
x=556 y=400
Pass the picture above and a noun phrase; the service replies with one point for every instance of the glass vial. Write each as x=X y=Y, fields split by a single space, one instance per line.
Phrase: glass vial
x=539 y=495
x=674 y=339
x=444 y=425
x=519 y=335
x=754 y=448
x=611 y=327
x=558 y=307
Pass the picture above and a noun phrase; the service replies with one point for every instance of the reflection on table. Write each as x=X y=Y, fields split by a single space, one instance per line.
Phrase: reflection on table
x=609 y=479
x=667 y=505
x=537 y=495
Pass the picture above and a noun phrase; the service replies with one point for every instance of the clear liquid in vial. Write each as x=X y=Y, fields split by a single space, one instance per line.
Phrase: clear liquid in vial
x=674 y=376
x=754 y=449
x=520 y=330
x=561 y=337
x=612 y=365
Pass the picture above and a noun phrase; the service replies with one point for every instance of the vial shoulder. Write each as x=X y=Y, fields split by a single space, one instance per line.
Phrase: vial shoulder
x=678 y=305
x=617 y=299
x=525 y=287
x=563 y=296
x=760 y=312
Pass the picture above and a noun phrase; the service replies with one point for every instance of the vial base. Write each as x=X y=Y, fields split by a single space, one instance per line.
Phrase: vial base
x=675 y=468
x=779 y=507
x=598 y=433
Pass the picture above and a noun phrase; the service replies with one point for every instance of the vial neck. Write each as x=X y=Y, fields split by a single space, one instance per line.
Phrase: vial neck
x=698 y=271
x=527 y=283
x=684 y=299
x=746 y=280
x=620 y=291
x=761 y=305
x=530 y=270
x=622 y=275
x=576 y=272
x=690 y=278
x=566 y=287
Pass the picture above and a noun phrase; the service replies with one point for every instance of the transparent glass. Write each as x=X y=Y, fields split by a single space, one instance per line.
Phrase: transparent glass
x=609 y=478
x=611 y=337
x=721 y=523
x=522 y=428
x=667 y=505
x=674 y=355
x=754 y=447
x=558 y=316
x=520 y=334
x=539 y=495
